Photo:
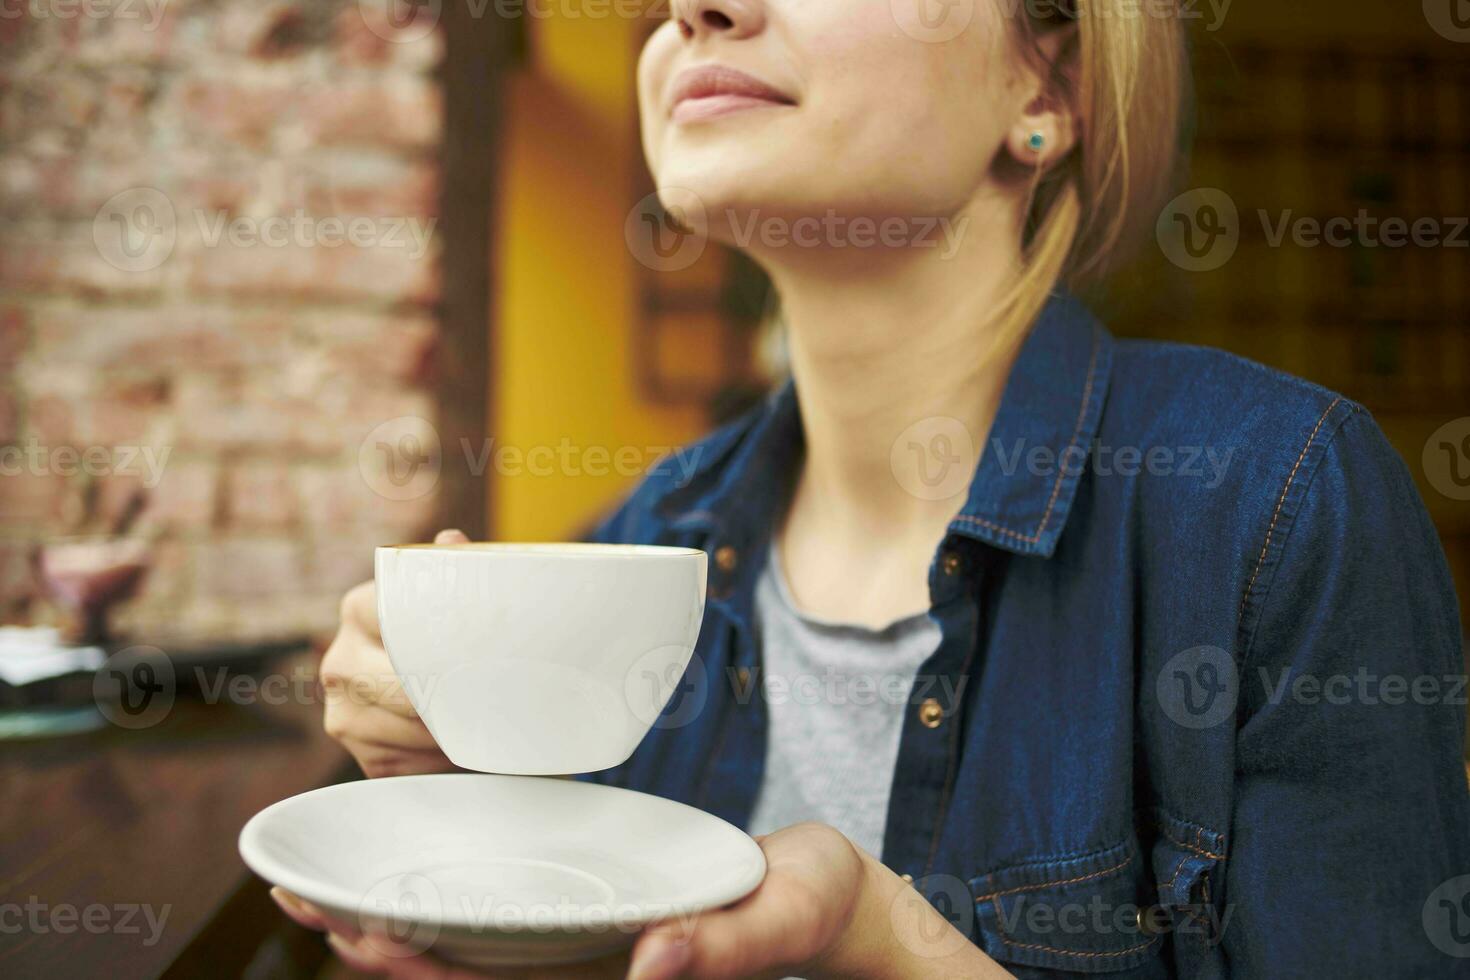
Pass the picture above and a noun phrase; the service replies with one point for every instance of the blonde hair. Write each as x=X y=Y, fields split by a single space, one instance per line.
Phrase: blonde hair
x=1124 y=69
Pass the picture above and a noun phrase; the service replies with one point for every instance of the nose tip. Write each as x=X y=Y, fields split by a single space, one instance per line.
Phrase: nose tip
x=730 y=18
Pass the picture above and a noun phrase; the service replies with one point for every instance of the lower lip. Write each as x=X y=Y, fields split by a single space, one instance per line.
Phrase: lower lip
x=709 y=107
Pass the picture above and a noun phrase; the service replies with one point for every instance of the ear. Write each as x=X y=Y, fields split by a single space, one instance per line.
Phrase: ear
x=1045 y=130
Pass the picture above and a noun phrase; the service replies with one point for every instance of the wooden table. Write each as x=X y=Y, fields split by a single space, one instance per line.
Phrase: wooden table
x=97 y=831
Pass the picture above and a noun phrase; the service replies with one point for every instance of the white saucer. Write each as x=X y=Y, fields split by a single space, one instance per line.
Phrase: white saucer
x=495 y=870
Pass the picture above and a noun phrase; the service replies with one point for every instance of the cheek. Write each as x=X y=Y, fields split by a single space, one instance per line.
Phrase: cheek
x=916 y=122
x=653 y=73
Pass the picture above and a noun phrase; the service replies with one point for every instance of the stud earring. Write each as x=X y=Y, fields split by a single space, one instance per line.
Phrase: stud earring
x=1036 y=142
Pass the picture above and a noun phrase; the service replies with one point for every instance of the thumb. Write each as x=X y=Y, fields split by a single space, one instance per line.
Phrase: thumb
x=451 y=536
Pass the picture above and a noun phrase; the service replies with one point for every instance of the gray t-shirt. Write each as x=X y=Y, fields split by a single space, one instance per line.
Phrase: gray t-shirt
x=836 y=695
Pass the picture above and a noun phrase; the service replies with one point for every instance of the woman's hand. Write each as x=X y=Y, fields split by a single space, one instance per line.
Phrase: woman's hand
x=366 y=707
x=825 y=909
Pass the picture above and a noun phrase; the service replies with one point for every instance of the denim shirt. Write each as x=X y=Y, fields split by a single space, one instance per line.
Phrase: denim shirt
x=1197 y=709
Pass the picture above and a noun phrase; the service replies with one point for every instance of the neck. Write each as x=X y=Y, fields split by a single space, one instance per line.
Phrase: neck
x=881 y=342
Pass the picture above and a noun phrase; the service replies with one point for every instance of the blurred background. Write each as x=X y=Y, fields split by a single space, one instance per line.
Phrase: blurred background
x=493 y=293
x=281 y=281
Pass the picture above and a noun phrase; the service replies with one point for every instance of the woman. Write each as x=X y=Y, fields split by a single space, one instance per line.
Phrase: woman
x=1144 y=601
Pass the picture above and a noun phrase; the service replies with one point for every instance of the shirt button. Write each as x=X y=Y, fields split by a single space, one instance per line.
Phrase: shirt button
x=951 y=562
x=931 y=713
x=1144 y=918
x=742 y=677
x=725 y=558
x=908 y=878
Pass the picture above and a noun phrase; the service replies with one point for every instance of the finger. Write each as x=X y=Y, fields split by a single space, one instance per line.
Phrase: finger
x=738 y=942
x=377 y=763
x=360 y=609
x=451 y=536
x=300 y=911
x=363 y=678
x=659 y=956
x=356 y=954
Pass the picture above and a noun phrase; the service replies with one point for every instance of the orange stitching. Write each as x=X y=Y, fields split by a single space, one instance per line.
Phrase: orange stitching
x=1266 y=547
x=1000 y=919
x=1067 y=881
x=1056 y=490
x=1000 y=923
x=1073 y=952
x=1193 y=847
x=1166 y=886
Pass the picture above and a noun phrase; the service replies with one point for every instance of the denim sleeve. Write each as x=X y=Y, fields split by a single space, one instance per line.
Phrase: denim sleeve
x=1351 y=825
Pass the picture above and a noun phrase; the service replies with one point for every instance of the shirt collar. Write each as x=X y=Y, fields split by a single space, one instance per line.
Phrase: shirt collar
x=1027 y=477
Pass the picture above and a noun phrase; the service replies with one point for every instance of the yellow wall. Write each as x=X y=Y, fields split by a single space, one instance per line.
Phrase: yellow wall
x=565 y=280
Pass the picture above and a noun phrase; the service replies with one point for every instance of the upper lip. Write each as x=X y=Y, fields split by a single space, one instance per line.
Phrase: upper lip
x=709 y=80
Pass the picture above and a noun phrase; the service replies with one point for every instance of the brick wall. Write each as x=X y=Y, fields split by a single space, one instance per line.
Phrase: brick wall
x=216 y=246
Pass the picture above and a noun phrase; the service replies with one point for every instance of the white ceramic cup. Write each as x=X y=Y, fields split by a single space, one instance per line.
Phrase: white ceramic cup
x=539 y=659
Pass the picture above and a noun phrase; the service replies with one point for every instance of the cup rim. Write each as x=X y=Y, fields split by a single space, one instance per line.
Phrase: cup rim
x=567 y=549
